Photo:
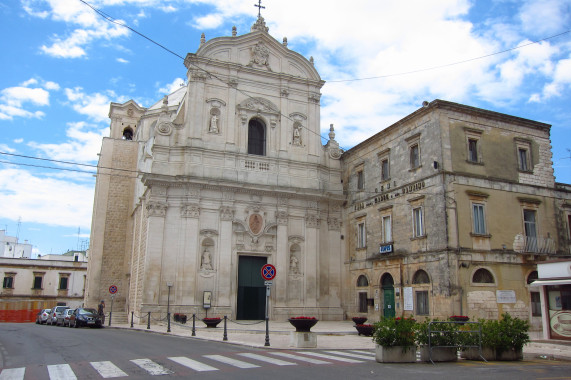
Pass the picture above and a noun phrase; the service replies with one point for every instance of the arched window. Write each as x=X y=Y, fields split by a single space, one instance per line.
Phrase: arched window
x=420 y=277
x=387 y=281
x=482 y=276
x=362 y=281
x=128 y=133
x=256 y=137
x=532 y=277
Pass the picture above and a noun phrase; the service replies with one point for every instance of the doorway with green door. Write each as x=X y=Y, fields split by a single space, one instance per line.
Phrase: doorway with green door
x=387 y=284
x=251 y=303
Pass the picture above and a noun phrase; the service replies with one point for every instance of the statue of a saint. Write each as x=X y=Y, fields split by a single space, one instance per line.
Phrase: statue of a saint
x=206 y=260
x=293 y=265
x=296 y=136
x=213 y=124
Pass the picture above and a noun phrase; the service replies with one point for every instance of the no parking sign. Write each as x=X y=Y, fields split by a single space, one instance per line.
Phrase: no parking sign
x=112 y=289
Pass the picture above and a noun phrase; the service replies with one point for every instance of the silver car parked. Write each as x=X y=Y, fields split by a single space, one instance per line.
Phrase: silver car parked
x=55 y=313
x=63 y=318
x=42 y=316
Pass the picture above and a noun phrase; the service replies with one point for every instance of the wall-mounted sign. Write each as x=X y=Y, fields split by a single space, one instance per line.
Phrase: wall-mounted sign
x=505 y=296
x=386 y=248
x=207 y=299
x=407 y=298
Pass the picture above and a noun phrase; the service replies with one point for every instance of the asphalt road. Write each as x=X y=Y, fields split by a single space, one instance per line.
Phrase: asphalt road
x=29 y=351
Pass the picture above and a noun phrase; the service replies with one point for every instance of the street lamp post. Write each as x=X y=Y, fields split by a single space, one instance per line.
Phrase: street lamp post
x=169 y=284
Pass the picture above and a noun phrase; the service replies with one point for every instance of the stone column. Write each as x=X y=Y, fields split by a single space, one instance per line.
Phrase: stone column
x=226 y=261
x=311 y=269
x=282 y=259
x=156 y=212
x=334 y=260
x=186 y=272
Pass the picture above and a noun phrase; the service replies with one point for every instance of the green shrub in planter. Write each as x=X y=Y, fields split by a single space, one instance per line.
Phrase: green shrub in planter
x=512 y=333
x=447 y=334
x=391 y=332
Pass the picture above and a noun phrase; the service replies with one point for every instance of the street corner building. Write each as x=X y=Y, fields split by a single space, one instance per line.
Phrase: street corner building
x=197 y=192
x=446 y=212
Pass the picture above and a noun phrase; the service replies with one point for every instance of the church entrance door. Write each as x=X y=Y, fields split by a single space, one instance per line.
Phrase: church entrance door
x=387 y=284
x=251 y=303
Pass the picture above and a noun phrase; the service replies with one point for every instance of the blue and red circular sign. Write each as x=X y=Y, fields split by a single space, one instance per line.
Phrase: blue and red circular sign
x=268 y=272
x=112 y=289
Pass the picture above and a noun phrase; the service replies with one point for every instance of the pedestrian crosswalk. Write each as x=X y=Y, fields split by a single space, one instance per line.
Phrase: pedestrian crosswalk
x=170 y=365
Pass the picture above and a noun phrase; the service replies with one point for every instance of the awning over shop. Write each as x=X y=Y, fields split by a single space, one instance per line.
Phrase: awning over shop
x=559 y=281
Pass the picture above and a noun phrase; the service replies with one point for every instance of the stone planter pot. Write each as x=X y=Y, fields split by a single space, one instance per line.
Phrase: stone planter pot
x=366 y=330
x=302 y=339
x=359 y=320
x=511 y=354
x=439 y=354
x=303 y=325
x=212 y=323
x=395 y=354
x=474 y=354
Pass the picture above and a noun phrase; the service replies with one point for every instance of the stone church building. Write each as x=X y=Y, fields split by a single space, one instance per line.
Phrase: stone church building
x=197 y=192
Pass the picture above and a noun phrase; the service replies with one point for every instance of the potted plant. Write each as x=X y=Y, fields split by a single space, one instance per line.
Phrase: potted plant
x=438 y=340
x=212 y=322
x=395 y=340
x=470 y=339
x=303 y=324
x=366 y=330
x=359 y=320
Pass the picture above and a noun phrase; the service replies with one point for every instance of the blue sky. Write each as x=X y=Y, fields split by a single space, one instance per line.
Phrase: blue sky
x=63 y=64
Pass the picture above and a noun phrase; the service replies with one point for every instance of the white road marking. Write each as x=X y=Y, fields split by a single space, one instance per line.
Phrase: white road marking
x=154 y=369
x=351 y=355
x=364 y=352
x=108 y=369
x=266 y=359
x=61 y=372
x=230 y=361
x=13 y=374
x=324 y=356
x=193 y=364
x=301 y=358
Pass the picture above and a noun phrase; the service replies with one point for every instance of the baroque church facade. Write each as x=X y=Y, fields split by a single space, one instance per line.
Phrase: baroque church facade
x=445 y=212
x=196 y=193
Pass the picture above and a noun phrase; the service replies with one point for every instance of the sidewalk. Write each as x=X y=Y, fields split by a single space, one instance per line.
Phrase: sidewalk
x=337 y=335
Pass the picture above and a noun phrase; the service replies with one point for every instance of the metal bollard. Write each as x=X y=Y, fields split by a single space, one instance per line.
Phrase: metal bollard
x=169 y=322
x=149 y=321
x=267 y=343
x=225 y=336
x=193 y=325
x=132 y=318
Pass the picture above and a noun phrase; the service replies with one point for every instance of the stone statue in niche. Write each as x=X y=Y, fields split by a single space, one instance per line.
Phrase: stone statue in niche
x=296 y=135
x=293 y=264
x=206 y=260
x=213 y=124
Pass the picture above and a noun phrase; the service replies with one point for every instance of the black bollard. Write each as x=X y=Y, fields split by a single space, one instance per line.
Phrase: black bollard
x=132 y=318
x=225 y=336
x=169 y=322
x=193 y=325
x=267 y=343
x=149 y=321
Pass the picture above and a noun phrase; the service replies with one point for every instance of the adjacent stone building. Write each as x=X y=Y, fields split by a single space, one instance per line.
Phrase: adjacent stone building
x=445 y=212
x=448 y=212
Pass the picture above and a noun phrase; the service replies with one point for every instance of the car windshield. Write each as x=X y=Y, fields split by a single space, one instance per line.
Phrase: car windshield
x=87 y=311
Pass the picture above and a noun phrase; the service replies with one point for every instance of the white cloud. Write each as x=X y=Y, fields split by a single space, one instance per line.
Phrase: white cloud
x=95 y=106
x=121 y=60
x=6 y=148
x=84 y=142
x=542 y=17
x=169 y=88
x=13 y=100
x=210 y=21
x=44 y=200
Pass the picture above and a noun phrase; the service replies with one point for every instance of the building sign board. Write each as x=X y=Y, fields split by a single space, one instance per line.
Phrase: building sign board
x=407 y=298
x=505 y=296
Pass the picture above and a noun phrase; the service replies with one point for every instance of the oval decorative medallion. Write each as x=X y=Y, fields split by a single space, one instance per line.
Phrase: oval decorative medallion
x=256 y=223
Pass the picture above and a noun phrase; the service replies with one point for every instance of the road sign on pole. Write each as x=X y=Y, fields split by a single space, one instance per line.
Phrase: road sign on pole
x=268 y=272
x=112 y=289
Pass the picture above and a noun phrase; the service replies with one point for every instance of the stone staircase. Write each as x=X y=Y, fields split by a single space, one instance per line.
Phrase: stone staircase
x=119 y=318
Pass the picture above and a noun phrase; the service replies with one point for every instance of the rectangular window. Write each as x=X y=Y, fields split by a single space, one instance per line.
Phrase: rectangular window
x=361 y=236
x=414 y=156
x=422 y=302
x=363 y=302
x=63 y=283
x=535 y=304
x=417 y=222
x=479 y=220
x=387 y=229
x=529 y=223
x=473 y=150
x=38 y=282
x=385 y=174
x=8 y=282
x=523 y=159
x=360 y=180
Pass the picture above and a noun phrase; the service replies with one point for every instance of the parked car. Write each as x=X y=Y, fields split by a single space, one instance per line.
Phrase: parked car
x=55 y=313
x=63 y=318
x=85 y=317
x=43 y=316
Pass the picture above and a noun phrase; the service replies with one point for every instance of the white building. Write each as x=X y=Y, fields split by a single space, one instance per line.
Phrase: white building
x=10 y=247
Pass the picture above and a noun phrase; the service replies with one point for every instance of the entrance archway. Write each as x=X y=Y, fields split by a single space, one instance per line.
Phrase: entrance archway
x=251 y=303
x=387 y=284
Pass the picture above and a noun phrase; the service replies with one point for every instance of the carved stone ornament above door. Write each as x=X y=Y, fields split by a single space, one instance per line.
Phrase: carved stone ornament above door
x=256 y=222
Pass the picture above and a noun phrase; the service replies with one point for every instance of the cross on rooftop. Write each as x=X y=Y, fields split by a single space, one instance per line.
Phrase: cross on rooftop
x=260 y=7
